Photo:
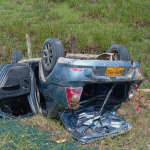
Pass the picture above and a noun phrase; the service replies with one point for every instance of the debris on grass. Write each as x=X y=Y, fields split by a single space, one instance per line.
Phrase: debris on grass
x=139 y=135
x=137 y=109
x=61 y=141
x=140 y=98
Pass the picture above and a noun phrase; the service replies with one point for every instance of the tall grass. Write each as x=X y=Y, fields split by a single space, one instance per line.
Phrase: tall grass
x=94 y=23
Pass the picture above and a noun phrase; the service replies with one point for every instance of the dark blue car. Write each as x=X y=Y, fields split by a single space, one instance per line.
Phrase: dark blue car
x=85 y=93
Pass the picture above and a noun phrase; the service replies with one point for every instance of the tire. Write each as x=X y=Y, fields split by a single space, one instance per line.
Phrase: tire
x=39 y=109
x=51 y=51
x=121 y=50
x=17 y=56
x=37 y=99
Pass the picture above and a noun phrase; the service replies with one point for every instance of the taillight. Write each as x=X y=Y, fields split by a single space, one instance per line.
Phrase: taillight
x=137 y=86
x=133 y=90
x=73 y=96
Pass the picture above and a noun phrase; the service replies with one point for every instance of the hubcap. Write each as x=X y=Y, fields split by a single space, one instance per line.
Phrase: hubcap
x=47 y=55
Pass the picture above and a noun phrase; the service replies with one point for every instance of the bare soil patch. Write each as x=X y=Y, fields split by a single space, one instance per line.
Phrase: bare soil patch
x=141 y=24
x=140 y=98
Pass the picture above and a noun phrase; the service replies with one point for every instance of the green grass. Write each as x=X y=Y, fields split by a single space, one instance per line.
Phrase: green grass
x=19 y=135
x=94 y=23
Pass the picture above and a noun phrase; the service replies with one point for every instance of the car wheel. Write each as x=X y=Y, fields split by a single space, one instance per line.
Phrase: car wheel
x=17 y=56
x=121 y=50
x=51 y=51
x=37 y=99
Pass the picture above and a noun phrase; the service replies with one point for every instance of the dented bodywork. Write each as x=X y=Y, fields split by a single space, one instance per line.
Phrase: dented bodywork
x=84 y=94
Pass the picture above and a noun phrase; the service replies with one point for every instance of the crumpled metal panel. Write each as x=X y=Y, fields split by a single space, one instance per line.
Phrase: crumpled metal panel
x=86 y=130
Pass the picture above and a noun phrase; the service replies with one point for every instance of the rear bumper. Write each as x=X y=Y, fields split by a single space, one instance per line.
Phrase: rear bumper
x=93 y=71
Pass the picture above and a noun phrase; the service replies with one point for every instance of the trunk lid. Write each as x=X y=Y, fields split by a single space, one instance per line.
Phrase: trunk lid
x=97 y=118
x=87 y=129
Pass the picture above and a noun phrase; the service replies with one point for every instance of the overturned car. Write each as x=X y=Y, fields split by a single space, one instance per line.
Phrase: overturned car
x=84 y=91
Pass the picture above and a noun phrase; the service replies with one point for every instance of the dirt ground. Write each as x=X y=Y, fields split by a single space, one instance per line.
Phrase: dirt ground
x=140 y=103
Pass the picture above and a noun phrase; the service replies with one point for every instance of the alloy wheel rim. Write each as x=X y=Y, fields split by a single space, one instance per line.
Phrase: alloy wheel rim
x=48 y=55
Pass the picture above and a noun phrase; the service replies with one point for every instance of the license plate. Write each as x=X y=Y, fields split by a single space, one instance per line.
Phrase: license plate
x=114 y=71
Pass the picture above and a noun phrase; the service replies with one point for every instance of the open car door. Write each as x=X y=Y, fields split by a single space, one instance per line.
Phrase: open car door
x=17 y=91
